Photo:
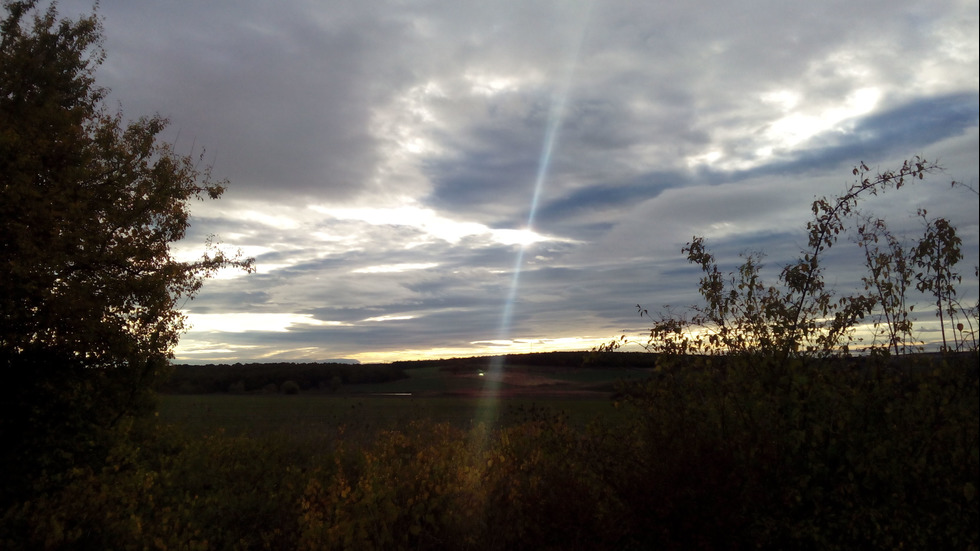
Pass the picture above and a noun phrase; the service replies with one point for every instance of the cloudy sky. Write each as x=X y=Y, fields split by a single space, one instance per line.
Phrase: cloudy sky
x=420 y=178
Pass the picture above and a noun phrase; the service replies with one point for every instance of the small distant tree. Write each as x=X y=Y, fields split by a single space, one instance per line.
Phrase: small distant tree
x=89 y=208
x=889 y=276
x=937 y=254
x=817 y=322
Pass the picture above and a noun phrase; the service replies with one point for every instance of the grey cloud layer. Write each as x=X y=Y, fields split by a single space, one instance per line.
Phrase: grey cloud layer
x=715 y=118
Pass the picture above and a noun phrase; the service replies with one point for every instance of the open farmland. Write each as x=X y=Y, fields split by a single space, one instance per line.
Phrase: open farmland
x=315 y=416
x=461 y=395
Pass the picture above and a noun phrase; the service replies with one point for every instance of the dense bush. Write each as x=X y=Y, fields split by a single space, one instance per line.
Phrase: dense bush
x=161 y=490
x=835 y=457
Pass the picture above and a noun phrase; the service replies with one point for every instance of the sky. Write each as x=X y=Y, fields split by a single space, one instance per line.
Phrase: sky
x=420 y=179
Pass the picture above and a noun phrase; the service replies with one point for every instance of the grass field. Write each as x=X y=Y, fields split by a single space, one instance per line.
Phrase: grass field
x=310 y=416
x=513 y=380
x=462 y=399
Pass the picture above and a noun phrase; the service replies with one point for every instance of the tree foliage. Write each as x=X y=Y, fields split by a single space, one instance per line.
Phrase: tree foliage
x=91 y=205
x=756 y=384
x=800 y=317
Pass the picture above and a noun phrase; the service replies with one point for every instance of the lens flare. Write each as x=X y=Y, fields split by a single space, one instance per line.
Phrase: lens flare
x=488 y=409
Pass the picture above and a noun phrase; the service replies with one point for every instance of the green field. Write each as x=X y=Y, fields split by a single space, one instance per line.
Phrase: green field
x=461 y=398
x=321 y=415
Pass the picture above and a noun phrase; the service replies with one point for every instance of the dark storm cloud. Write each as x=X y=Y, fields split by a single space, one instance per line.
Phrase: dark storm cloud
x=612 y=197
x=920 y=123
x=281 y=95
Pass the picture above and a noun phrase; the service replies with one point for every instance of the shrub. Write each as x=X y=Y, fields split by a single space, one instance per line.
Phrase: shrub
x=843 y=456
x=756 y=408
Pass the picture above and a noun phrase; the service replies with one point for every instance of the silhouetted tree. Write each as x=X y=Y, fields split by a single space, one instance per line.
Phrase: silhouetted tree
x=89 y=206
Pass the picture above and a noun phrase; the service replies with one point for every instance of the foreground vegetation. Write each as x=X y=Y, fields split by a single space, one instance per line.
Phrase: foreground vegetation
x=697 y=457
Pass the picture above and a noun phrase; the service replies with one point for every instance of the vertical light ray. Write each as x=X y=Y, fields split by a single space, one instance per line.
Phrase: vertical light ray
x=556 y=115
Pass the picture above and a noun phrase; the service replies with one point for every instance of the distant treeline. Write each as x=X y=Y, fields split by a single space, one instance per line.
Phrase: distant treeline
x=270 y=377
x=560 y=360
x=273 y=377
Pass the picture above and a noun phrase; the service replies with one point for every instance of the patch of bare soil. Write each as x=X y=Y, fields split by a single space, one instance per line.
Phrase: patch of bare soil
x=520 y=383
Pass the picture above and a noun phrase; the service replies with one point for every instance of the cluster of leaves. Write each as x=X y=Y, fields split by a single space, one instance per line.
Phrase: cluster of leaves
x=714 y=455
